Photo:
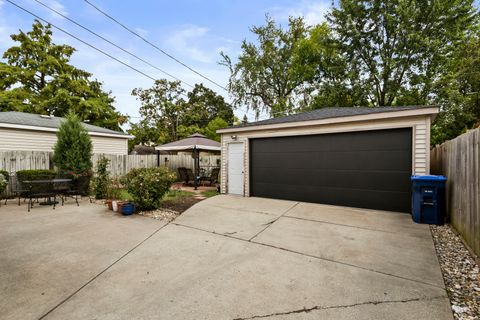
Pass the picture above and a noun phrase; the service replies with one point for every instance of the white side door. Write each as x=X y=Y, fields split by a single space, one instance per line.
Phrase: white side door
x=235 y=168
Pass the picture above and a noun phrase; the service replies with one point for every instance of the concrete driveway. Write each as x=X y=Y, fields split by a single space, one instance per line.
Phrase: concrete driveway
x=225 y=258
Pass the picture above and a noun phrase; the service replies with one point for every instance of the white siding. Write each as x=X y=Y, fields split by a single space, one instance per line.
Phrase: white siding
x=420 y=145
x=29 y=140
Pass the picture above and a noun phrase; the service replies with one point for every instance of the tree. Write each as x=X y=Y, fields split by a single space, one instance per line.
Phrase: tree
x=73 y=149
x=400 y=46
x=213 y=126
x=265 y=77
x=162 y=107
x=458 y=91
x=37 y=77
x=167 y=116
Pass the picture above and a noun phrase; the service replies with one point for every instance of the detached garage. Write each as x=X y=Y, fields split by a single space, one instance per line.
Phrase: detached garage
x=357 y=157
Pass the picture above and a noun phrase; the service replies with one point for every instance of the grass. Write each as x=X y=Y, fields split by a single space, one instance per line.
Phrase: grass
x=210 y=193
x=176 y=194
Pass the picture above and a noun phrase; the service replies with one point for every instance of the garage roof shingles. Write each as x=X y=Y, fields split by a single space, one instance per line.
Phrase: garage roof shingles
x=327 y=113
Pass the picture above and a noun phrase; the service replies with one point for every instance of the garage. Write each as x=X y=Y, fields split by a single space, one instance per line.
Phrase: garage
x=356 y=157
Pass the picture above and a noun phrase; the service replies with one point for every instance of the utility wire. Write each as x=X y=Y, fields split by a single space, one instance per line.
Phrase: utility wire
x=112 y=43
x=84 y=42
x=159 y=49
x=155 y=46
x=92 y=46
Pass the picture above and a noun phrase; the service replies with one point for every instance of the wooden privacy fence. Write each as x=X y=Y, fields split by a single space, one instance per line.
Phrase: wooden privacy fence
x=13 y=161
x=121 y=164
x=458 y=160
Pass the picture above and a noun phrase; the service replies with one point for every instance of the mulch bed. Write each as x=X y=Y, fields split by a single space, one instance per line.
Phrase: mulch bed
x=460 y=273
x=170 y=209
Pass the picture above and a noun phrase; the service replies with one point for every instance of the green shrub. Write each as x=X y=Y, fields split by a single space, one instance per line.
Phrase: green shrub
x=36 y=174
x=101 y=182
x=147 y=186
x=5 y=174
x=73 y=150
x=3 y=183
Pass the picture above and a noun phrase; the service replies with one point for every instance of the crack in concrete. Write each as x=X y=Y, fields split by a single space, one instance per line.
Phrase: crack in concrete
x=310 y=256
x=314 y=308
x=268 y=224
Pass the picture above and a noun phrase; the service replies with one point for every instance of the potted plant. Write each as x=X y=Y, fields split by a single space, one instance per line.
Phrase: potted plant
x=128 y=209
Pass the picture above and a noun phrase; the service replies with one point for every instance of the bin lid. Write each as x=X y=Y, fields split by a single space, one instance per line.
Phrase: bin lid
x=428 y=178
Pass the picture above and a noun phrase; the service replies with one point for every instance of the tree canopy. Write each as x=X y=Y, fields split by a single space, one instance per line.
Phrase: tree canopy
x=36 y=76
x=169 y=113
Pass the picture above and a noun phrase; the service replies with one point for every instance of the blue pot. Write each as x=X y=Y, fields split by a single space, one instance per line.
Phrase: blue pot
x=128 y=209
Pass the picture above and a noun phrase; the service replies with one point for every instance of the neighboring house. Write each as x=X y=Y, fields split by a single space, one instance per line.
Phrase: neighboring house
x=32 y=132
x=357 y=157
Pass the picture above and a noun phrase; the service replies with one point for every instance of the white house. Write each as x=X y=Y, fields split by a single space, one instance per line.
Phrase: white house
x=32 y=132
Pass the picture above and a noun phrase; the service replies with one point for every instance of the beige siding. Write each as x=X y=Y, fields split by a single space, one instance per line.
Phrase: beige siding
x=109 y=145
x=29 y=140
x=26 y=140
x=420 y=129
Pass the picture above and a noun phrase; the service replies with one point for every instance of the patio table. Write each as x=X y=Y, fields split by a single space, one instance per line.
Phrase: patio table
x=56 y=187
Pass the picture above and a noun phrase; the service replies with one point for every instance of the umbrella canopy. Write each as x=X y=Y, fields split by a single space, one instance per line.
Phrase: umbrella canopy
x=195 y=141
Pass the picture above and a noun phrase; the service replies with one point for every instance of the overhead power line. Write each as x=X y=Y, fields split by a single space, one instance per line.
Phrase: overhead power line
x=112 y=43
x=155 y=46
x=82 y=41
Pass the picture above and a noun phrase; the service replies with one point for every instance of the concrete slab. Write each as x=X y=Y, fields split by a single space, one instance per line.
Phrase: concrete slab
x=234 y=216
x=394 y=222
x=47 y=254
x=252 y=204
x=183 y=273
x=392 y=253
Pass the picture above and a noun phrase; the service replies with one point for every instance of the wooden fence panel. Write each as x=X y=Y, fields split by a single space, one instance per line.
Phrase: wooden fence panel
x=458 y=160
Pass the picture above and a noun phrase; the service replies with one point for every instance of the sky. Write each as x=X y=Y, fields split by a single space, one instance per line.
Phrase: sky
x=193 y=31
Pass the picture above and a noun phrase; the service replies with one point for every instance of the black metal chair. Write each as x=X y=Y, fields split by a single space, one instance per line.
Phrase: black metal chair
x=41 y=187
x=79 y=186
x=213 y=178
x=7 y=178
x=18 y=188
x=186 y=175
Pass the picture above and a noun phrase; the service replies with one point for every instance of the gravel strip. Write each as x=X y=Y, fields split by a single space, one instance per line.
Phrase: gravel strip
x=160 y=214
x=460 y=273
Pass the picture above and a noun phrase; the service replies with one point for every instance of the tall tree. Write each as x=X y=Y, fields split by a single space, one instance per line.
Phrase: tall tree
x=169 y=112
x=400 y=45
x=265 y=77
x=37 y=77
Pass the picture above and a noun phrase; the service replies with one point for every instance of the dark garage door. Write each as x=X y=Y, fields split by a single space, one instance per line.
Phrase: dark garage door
x=368 y=169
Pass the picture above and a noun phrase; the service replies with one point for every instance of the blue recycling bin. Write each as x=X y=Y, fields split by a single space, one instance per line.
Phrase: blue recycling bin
x=428 y=199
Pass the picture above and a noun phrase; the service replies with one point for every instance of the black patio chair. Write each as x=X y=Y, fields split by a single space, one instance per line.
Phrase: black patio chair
x=4 y=192
x=213 y=177
x=186 y=175
x=18 y=187
x=41 y=187
x=78 y=187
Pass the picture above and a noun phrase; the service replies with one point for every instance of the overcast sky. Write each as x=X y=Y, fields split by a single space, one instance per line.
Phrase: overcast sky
x=194 y=31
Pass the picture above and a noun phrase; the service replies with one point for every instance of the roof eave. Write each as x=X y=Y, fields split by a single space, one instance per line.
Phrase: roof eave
x=46 y=129
x=432 y=111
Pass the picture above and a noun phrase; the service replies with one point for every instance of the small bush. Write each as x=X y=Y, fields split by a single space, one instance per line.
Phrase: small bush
x=36 y=174
x=3 y=183
x=147 y=186
x=101 y=182
x=5 y=174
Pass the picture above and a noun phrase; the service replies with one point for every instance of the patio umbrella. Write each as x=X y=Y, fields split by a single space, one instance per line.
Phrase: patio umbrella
x=194 y=143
